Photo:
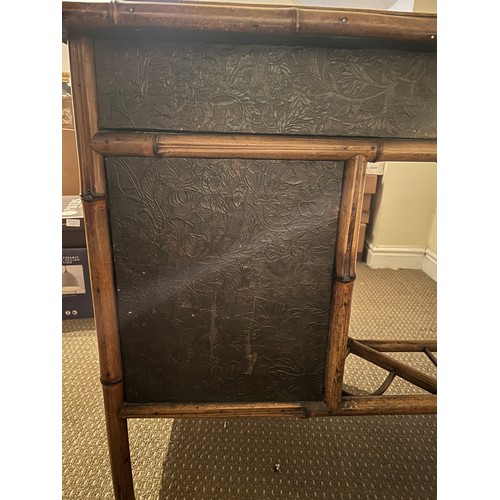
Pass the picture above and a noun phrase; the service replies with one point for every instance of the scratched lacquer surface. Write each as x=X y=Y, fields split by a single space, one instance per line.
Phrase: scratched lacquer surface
x=223 y=273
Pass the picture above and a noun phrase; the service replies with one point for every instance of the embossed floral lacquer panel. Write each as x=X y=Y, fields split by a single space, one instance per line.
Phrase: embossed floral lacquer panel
x=266 y=89
x=223 y=274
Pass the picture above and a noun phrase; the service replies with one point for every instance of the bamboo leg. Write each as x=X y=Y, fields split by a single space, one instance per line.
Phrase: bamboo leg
x=108 y=341
x=345 y=274
x=93 y=189
x=337 y=348
x=118 y=445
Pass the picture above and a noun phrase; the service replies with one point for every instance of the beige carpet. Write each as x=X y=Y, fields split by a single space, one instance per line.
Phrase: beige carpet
x=390 y=457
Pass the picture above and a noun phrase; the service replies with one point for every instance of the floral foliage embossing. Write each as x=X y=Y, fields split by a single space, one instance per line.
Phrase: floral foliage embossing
x=266 y=89
x=223 y=273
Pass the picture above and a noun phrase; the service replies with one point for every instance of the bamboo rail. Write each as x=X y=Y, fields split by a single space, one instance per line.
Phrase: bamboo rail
x=387 y=405
x=253 y=18
x=404 y=371
x=349 y=406
x=226 y=410
x=174 y=145
x=400 y=345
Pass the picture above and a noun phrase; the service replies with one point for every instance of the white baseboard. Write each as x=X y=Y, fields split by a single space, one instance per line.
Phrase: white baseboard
x=394 y=257
x=402 y=257
x=429 y=265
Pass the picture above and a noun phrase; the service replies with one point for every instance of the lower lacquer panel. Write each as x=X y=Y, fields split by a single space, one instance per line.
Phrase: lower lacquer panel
x=223 y=273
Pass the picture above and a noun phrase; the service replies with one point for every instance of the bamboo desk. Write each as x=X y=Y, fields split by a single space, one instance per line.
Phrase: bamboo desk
x=222 y=151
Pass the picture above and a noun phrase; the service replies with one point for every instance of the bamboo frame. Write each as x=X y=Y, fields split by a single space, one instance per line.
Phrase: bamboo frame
x=256 y=18
x=216 y=145
x=95 y=144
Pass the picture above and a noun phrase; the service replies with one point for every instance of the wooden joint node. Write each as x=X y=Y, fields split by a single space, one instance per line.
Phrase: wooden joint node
x=346 y=279
x=378 y=153
x=109 y=383
x=89 y=196
x=156 y=145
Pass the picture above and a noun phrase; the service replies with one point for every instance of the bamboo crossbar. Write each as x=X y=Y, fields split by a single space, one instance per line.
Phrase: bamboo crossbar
x=236 y=410
x=253 y=18
x=216 y=145
x=387 y=405
x=431 y=356
x=404 y=371
x=400 y=345
x=349 y=406
x=383 y=387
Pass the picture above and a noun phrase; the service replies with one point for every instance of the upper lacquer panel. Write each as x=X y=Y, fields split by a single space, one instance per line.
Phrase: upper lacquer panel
x=266 y=89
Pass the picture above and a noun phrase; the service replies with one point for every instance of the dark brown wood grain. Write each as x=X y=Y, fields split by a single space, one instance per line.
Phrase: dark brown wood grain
x=178 y=145
x=248 y=18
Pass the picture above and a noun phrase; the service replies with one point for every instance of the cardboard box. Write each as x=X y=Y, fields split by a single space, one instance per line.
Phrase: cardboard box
x=73 y=230
x=367 y=199
x=361 y=241
x=371 y=184
x=375 y=168
x=70 y=173
x=76 y=292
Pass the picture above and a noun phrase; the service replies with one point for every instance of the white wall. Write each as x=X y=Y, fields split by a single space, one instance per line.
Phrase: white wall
x=403 y=216
x=65 y=58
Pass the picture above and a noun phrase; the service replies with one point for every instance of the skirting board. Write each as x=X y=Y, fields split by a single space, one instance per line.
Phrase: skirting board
x=429 y=265
x=402 y=257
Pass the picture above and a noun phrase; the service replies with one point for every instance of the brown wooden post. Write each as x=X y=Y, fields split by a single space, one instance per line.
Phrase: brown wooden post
x=93 y=189
x=344 y=276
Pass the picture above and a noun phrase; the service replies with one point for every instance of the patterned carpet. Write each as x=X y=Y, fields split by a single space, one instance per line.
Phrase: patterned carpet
x=379 y=457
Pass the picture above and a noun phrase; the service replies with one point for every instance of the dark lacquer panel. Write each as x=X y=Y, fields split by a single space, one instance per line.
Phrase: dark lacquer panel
x=266 y=89
x=223 y=272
